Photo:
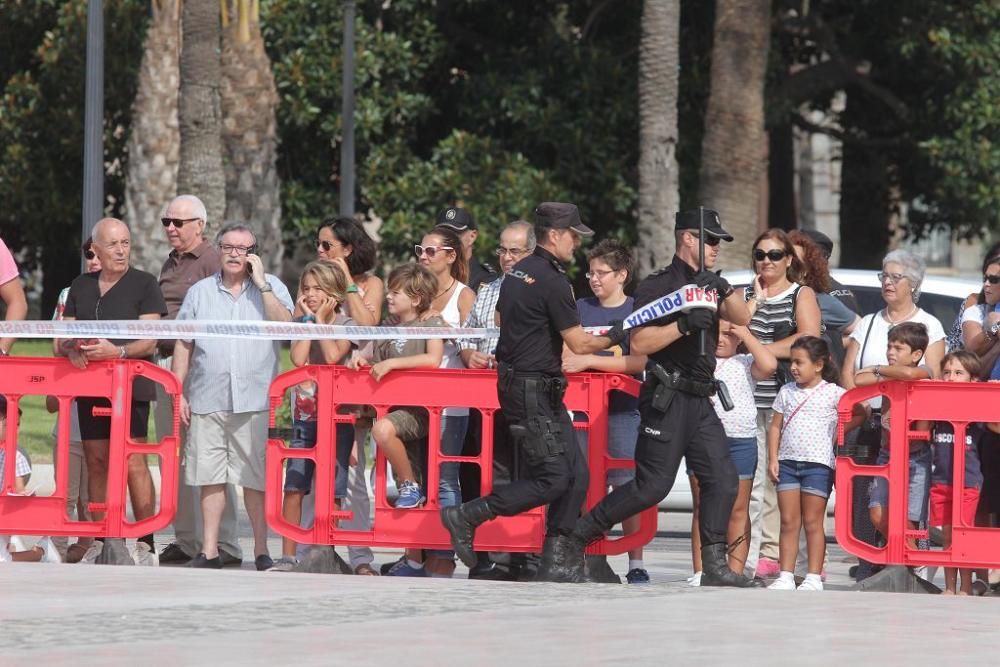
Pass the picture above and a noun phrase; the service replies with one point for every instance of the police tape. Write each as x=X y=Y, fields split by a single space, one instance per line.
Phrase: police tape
x=684 y=299
x=199 y=329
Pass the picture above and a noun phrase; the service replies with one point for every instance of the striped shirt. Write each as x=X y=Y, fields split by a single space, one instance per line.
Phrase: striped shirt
x=771 y=312
x=482 y=316
x=230 y=374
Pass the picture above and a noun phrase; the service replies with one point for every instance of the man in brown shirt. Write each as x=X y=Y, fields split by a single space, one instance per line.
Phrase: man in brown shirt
x=192 y=258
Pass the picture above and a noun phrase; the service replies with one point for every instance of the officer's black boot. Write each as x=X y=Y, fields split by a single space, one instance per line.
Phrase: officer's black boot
x=461 y=522
x=599 y=571
x=716 y=572
x=562 y=561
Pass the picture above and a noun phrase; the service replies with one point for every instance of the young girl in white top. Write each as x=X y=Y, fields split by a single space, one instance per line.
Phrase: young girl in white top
x=801 y=457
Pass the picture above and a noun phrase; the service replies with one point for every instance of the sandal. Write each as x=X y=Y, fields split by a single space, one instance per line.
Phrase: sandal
x=365 y=570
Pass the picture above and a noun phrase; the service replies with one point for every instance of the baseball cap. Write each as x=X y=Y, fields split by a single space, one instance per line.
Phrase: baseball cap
x=688 y=220
x=455 y=218
x=559 y=215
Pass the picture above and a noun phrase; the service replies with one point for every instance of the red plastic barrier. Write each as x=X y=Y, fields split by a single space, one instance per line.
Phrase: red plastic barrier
x=46 y=515
x=961 y=404
x=434 y=390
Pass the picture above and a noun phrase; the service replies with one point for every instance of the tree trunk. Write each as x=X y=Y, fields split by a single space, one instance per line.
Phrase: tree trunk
x=249 y=130
x=199 y=111
x=733 y=159
x=154 y=142
x=658 y=177
x=864 y=198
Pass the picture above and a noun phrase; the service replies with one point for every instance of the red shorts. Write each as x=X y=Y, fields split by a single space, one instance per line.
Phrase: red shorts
x=941 y=498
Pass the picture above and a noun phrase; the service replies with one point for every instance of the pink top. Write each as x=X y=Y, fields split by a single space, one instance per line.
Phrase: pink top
x=8 y=268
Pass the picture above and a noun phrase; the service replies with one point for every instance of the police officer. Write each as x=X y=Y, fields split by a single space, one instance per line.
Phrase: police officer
x=537 y=314
x=462 y=223
x=678 y=419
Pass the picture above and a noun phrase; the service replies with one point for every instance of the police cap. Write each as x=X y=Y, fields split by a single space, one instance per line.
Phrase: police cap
x=688 y=221
x=455 y=218
x=558 y=215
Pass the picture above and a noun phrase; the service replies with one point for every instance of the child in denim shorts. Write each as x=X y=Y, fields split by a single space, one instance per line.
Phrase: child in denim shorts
x=801 y=456
x=906 y=345
x=322 y=289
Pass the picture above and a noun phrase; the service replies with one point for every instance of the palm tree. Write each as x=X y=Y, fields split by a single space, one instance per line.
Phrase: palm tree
x=249 y=130
x=658 y=188
x=154 y=141
x=733 y=158
x=199 y=111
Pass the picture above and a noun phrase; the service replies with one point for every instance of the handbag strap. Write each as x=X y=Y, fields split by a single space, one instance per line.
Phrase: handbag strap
x=798 y=407
x=864 y=346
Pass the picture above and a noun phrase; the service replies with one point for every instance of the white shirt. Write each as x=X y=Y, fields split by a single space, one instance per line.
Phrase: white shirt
x=741 y=421
x=807 y=431
x=450 y=358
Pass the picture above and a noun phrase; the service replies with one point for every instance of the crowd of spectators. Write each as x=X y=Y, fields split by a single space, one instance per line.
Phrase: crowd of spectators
x=805 y=332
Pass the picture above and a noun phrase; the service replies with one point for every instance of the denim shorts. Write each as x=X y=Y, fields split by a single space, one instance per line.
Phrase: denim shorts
x=743 y=452
x=919 y=488
x=299 y=472
x=623 y=431
x=805 y=476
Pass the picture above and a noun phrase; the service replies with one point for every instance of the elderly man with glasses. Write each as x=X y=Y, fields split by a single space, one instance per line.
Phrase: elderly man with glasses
x=225 y=402
x=192 y=257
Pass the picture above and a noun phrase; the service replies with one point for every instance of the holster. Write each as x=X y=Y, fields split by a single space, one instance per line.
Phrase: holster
x=674 y=380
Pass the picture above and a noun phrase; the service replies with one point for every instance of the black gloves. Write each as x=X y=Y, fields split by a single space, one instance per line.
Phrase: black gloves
x=714 y=281
x=696 y=319
x=616 y=333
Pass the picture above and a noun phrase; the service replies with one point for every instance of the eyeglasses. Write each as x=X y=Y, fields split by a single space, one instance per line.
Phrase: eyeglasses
x=513 y=252
x=709 y=239
x=891 y=277
x=89 y=254
x=176 y=222
x=598 y=274
x=992 y=280
x=774 y=255
x=326 y=245
x=240 y=250
x=429 y=250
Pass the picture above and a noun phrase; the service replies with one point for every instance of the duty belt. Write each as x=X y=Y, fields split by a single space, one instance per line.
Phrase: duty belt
x=552 y=387
x=674 y=380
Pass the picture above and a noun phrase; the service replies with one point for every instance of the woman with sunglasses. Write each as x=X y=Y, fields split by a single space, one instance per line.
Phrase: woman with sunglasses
x=345 y=242
x=439 y=251
x=981 y=323
x=782 y=311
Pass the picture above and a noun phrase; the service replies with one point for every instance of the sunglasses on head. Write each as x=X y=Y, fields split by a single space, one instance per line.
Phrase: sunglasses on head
x=176 y=222
x=429 y=250
x=992 y=280
x=774 y=255
x=89 y=254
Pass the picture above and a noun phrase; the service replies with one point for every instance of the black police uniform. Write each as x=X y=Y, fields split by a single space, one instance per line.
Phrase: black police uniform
x=536 y=303
x=678 y=421
x=480 y=273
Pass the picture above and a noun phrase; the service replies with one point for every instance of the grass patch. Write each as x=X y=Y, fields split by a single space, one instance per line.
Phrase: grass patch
x=37 y=423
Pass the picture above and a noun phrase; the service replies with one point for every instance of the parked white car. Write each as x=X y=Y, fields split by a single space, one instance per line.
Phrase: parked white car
x=940 y=296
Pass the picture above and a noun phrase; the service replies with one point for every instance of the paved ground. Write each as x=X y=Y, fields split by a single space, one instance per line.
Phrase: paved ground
x=58 y=614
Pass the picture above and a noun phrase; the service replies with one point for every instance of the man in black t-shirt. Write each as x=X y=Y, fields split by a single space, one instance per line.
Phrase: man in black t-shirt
x=678 y=420
x=537 y=314
x=116 y=292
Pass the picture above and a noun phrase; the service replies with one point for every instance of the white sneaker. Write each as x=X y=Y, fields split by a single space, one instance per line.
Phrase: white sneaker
x=694 y=579
x=144 y=556
x=5 y=549
x=51 y=554
x=17 y=544
x=93 y=552
x=783 y=583
x=812 y=582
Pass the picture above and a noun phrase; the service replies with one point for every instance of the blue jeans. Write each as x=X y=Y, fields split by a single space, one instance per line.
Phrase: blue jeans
x=805 y=476
x=299 y=472
x=918 y=492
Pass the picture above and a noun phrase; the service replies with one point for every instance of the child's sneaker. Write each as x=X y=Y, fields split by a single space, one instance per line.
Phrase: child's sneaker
x=410 y=496
x=402 y=568
x=784 y=582
x=284 y=564
x=93 y=552
x=694 y=580
x=767 y=568
x=637 y=575
x=51 y=554
x=144 y=556
x=812 y=582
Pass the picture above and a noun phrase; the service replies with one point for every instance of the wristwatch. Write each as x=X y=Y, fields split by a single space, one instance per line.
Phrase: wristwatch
x=266 y=287
x=877 y=372
x=994 y=330
x=122 y=352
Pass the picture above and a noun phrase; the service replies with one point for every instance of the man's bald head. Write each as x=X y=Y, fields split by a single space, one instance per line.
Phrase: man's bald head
x=112 y=243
